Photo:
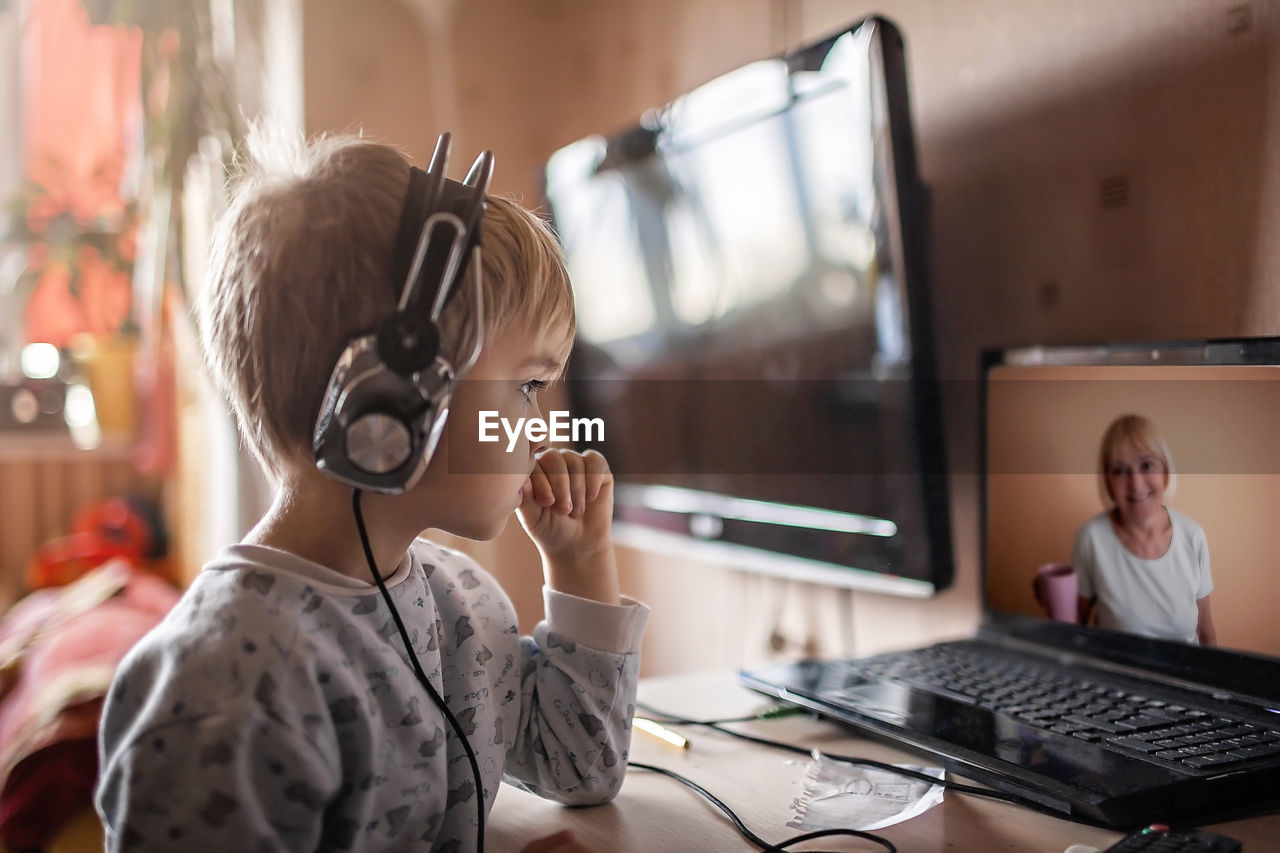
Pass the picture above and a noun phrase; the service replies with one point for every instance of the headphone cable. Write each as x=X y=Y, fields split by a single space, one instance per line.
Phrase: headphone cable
x=417 y=669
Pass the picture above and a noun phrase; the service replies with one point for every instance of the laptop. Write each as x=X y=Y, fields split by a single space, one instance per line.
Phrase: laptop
x=1131 y=718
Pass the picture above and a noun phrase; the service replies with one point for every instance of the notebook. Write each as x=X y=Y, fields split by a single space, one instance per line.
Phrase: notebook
x=1131 y=718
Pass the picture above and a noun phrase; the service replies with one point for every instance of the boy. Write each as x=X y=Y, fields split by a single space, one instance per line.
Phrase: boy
x=276 y=707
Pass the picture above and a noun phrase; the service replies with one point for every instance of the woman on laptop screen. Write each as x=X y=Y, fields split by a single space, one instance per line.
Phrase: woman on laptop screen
x=1142 y=567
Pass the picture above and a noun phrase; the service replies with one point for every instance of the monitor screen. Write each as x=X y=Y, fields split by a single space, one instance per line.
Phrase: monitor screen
x=1151 y=550
x=753 y=324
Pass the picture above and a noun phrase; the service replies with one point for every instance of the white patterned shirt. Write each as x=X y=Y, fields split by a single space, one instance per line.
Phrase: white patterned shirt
x=274 y=708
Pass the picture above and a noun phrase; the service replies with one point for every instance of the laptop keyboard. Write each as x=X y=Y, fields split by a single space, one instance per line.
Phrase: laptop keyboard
x=1135 y=724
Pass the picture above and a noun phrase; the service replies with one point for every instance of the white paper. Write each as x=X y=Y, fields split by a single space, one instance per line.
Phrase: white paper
x=839 y=795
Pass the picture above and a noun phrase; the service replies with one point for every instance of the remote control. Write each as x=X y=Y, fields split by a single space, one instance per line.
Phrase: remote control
x=1158 y=838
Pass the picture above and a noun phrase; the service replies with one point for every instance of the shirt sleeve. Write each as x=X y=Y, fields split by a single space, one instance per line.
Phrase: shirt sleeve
x=186 y=768
x=578 y=691
x=1082 y=560
x=216 y=783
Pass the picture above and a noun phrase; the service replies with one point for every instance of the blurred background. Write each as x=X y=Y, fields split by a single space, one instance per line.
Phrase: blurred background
x=1099 y=170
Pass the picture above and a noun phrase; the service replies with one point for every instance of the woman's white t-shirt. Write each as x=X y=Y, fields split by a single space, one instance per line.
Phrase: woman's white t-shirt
x=1154 y=598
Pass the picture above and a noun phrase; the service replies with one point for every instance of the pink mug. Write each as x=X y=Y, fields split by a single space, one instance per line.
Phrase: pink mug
x=1057 y=585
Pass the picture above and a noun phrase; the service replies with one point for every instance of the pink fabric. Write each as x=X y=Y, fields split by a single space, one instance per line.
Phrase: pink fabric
x=59 y=649
x=47 y=790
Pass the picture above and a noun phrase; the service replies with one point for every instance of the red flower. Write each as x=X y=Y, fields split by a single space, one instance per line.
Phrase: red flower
x=54 y=315
x=104 y=293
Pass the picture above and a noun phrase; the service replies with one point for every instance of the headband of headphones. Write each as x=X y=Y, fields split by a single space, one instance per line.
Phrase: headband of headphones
x=435 y=243
x=388 y=395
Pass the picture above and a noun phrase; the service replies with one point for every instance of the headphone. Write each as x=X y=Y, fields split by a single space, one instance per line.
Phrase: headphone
x=388 y=396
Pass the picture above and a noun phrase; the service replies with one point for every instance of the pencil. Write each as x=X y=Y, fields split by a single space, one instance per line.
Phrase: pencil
x=661 y=732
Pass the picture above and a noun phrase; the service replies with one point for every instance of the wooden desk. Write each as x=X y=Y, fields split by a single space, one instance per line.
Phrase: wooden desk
x=655 y=814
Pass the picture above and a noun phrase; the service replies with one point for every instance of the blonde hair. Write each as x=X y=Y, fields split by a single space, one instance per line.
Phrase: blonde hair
x=301 y=261
x=1137 y=431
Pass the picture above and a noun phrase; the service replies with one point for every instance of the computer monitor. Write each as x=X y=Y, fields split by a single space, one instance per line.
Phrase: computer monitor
x=754 y=320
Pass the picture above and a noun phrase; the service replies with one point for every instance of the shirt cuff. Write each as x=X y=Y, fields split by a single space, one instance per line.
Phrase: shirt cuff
x=614 y=628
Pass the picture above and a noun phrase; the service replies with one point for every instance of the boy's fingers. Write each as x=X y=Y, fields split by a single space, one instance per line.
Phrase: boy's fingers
x=543 y=493
x=569 y=480
x=553 y=467
x=577 y=482
x=597 y=468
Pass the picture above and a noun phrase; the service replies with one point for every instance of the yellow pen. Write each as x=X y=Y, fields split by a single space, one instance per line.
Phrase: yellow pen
x=660 y=732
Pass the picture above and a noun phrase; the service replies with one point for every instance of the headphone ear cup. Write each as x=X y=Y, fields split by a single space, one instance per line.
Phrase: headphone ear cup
x=433 y=428
x=377 y=442
x=377 y=428
x=371 y=428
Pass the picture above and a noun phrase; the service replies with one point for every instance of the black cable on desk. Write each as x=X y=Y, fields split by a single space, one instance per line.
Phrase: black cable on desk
x=958 y=787
x=767 y=714
x=764 y=846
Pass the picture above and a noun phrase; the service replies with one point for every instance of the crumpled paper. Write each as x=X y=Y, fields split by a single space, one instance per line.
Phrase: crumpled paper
x=838 y=794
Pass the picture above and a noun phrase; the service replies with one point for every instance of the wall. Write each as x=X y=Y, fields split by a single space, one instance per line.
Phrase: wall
x=368 y=71
x=1024 y=113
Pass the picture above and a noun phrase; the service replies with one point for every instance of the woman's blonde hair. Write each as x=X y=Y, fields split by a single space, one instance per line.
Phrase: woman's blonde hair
x=301 y=261
x=1139 y=432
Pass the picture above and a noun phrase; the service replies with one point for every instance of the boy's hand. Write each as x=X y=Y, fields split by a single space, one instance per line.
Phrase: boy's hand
x=567 y=511
x=568 y=502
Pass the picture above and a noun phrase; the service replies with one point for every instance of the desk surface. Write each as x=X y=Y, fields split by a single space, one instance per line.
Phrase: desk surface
x=654 y=814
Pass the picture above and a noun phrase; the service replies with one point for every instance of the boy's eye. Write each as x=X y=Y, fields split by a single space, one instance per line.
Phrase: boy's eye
x=532 y=387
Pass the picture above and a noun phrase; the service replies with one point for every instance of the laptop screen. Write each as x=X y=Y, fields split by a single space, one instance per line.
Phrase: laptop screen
x=1136 y=487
